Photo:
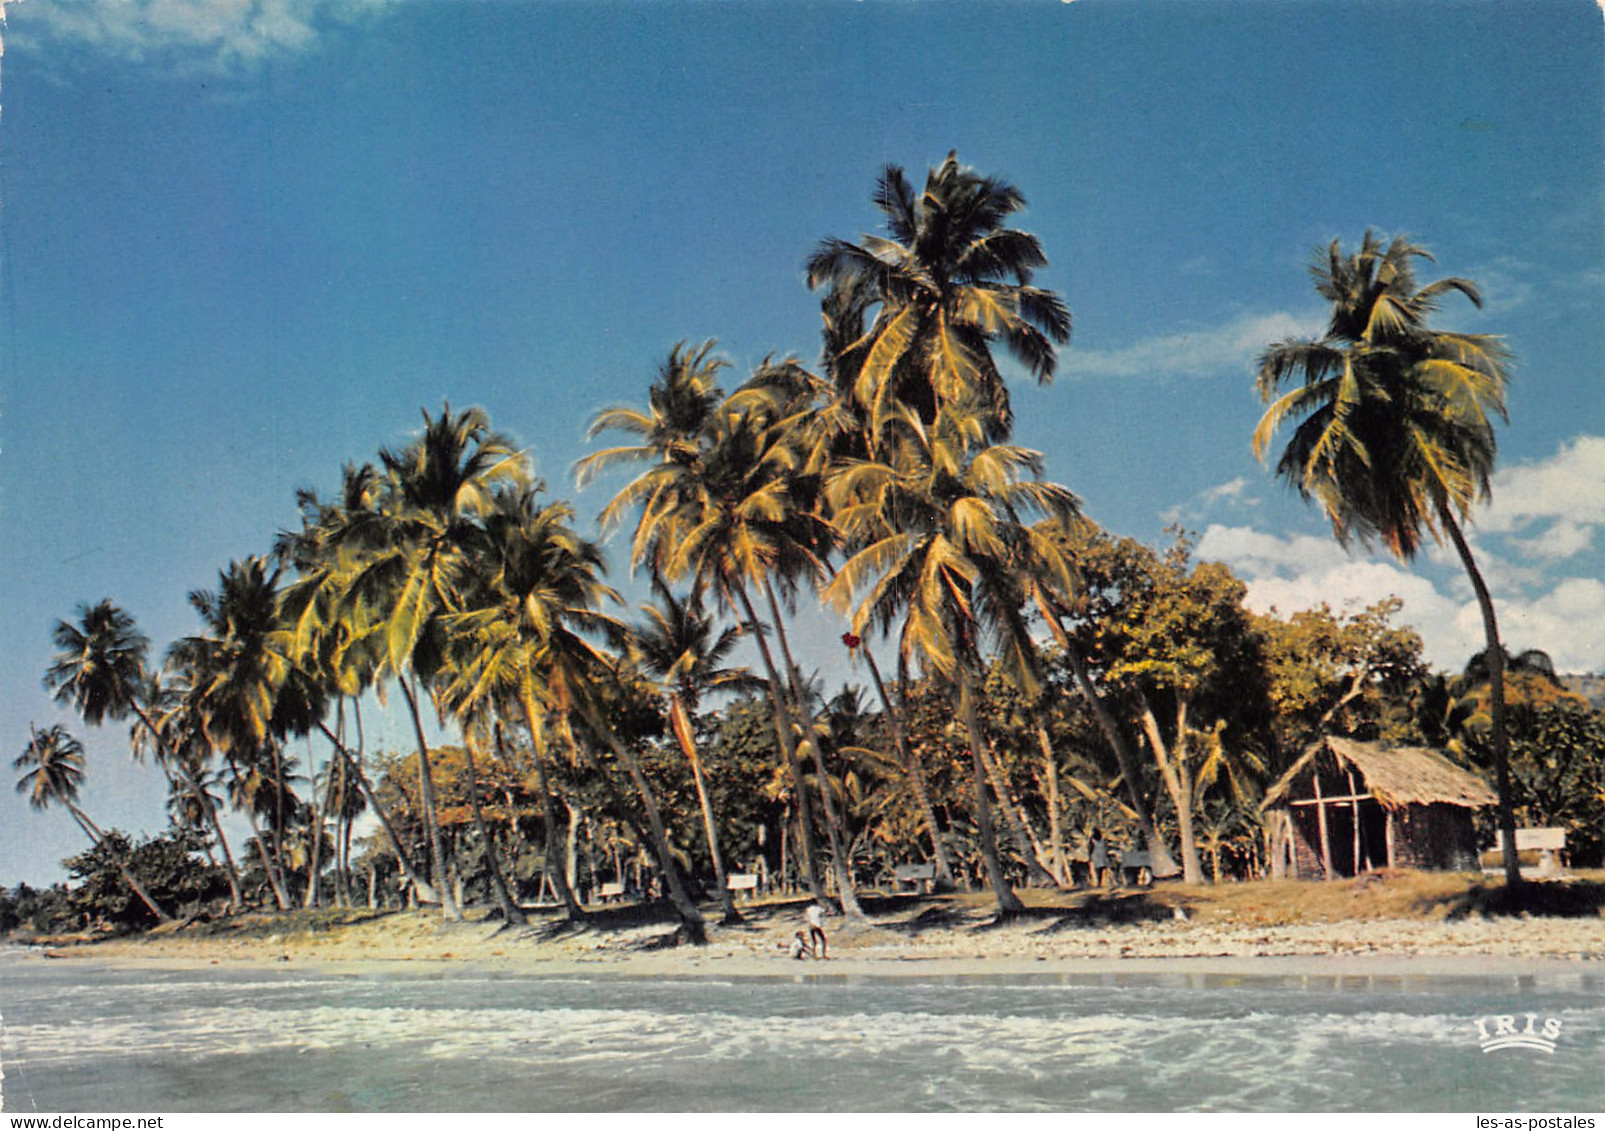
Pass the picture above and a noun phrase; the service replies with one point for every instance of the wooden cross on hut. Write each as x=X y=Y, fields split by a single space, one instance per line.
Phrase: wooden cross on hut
x=1346 y=807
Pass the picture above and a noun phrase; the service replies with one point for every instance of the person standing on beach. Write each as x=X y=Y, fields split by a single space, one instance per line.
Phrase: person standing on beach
x=816 y=929
x=1099 y=858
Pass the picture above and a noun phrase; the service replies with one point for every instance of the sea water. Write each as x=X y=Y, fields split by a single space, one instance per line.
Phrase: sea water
x=79 y=1035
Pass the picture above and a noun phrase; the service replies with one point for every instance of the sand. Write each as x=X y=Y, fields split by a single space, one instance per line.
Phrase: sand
x=936 y=936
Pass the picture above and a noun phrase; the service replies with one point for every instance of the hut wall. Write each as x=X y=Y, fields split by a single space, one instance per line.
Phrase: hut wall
x=1307 y=844
x=1437 y=836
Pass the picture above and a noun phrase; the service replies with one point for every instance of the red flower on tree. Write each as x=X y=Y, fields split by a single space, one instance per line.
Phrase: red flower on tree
x=850 y=640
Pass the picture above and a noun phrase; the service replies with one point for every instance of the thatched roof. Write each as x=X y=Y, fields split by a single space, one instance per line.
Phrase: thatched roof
x=1394 y=775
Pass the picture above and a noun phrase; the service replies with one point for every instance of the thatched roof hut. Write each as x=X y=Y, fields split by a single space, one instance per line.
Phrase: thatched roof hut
x=1350 y=806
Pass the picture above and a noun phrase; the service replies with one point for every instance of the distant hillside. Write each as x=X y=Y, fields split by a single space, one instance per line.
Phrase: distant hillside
x=1590 y=687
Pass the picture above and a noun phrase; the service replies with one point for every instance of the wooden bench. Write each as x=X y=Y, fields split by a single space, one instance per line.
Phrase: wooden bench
x=920 y=874
x=606 y=892
x=1136 y=867
x=742 y=881
x=1546 y=842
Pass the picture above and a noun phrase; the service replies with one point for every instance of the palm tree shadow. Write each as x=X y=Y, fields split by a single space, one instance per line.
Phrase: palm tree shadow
x=942 y=918
x=1101 y=910
x=1571 y=899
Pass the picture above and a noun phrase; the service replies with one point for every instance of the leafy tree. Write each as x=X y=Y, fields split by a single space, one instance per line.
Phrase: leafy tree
x=170 y=868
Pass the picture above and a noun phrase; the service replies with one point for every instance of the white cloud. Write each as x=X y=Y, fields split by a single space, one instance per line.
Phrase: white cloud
x=214 y=35
x=1569 y=485
x=1231 y=493
x=1564 y=539
x=1231 y=346
x=1302 y=571
x=1566 y=622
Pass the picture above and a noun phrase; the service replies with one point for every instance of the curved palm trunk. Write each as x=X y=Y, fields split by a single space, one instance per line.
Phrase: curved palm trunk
x=1162 y=865
x=916 y=775
x=1027 y=845
x=680 y=718
x=806 y=847
x=835 y=827
x=236 y=899
x=691 y=920
x=426 y=890
x=315 y=849
x=92 y=831
x=1050 y=787
x=282 y=890
x=512 y=914
x=1496 y=694
x=556 y=868
x=1178 y=783
x=1008 y=902
x=281 y=897
x=426 y=802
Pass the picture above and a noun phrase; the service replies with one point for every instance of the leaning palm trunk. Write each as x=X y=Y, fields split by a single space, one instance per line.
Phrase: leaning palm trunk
x=512 y=914
x=1162 y=864
x=1173 y=772
x=92 y=831
x=188 y=781
x=807 y=849
x=835 y=827
x=691 y=921
x=916 y=775
x=1027 y=845
x=1050 y=788
x=1496 y=695
x=555 y=867
x=1008 y=902
x=426 y=803
x=426 y=890
x=680 y=719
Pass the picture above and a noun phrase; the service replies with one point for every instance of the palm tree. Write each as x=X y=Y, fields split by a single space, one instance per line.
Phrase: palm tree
x=99 y=669
x=677 y=645
x=525 y=640
x=328 y=636
x=53 y=762
x=245 y=689
x=949 y=280
x=939 y=561
x=711 y=508
x=1394 y=432
x=411 y=561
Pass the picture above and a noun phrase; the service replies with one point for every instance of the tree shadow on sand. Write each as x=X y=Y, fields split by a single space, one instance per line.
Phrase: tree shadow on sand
x=1561 y=899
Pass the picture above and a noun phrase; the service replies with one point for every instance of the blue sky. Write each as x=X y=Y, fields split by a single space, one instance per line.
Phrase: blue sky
x=246 y=242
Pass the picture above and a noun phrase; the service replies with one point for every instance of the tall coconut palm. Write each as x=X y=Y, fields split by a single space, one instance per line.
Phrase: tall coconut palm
x=948 y=280
x=939 y=562
x=1394 y=431
x=53 y=772
x=100 y=670
x=329 y=636
x=525 y=638
x=678 y=645
x=709 y=505
x=411 y=560
x=245 y=689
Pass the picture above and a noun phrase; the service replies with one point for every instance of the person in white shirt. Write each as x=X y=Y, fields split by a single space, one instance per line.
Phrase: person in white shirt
x=816 y=929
